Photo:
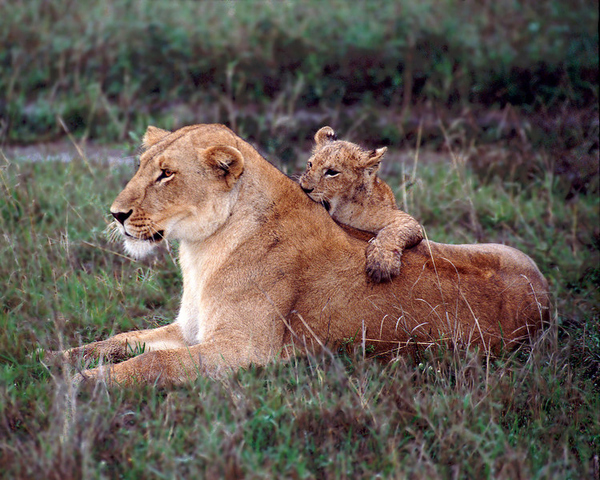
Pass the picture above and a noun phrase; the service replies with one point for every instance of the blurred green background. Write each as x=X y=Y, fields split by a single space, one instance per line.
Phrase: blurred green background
x=109 y=68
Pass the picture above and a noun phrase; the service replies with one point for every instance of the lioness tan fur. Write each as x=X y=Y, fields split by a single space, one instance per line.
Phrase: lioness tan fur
x=267 y=273
x=343 y=177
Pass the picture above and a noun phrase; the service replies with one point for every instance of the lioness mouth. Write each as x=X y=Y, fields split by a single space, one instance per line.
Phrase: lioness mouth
x=326 y=204
x=158 y=236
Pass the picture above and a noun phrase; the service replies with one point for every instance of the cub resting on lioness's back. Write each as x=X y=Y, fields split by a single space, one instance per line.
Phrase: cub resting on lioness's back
x=343 y=177
x=267 y=273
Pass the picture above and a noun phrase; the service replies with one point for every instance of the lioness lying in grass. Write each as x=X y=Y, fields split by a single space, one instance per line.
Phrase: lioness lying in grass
x=268 y=274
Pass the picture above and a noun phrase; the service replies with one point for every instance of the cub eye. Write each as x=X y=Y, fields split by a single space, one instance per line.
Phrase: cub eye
x=309 y=165
x=165 y=173
x=331 y=173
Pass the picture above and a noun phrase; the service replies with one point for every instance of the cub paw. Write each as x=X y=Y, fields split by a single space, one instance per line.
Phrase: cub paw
x=382 y=264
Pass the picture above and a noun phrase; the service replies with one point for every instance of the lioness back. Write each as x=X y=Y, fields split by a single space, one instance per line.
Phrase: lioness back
x=343 y=177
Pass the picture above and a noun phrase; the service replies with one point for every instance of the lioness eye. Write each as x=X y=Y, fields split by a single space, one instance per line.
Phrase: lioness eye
x=331 y=173
x=164 y=173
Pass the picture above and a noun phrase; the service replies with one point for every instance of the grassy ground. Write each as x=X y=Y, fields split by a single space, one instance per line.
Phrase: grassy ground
x=530 y=414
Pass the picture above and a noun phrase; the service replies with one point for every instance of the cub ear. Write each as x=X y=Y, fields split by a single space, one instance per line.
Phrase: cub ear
x=153 y=135
x=325 y=135
x=226 y=162
x=373 y=160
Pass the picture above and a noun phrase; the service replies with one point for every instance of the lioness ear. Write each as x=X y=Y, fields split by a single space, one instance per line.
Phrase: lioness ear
x=325 y=135
x=373 y=160
x=226 y=162
x=153 y=135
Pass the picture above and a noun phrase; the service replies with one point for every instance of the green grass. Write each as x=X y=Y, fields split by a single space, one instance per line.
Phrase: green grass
x=526 y=414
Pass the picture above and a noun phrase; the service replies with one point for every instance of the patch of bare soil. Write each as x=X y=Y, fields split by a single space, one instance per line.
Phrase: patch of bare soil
x=66 y=151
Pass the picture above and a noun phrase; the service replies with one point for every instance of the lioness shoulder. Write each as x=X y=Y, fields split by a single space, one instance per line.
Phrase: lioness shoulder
x=343 y=177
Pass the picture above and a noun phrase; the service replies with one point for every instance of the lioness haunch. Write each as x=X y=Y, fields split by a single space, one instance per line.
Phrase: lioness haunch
x=267 y=273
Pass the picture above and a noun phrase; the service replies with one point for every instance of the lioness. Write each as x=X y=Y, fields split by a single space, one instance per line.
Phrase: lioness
x=343 y=177
x=268 y=273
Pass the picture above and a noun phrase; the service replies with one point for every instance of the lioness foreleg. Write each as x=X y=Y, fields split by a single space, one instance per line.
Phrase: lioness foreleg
x=161 y=367
x=179 y=365
x=123 y=345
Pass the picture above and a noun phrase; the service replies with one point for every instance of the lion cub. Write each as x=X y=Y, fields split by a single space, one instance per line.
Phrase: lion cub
x=343 y=177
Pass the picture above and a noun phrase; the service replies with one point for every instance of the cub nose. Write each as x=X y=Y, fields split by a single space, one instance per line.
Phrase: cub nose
x=307 y=190
x=122 y=216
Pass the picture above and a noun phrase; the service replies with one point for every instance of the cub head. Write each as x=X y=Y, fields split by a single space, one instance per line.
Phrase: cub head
x=181 y=191
x=338 y=169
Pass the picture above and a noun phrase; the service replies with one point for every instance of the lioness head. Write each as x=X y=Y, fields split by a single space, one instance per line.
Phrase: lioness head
x=180 y=191
x=337 y=169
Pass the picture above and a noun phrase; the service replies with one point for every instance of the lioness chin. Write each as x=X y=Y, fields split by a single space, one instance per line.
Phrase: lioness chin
x=267 y=273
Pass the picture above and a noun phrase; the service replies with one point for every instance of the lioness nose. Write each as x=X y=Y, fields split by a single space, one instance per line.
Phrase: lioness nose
x=122 y=216
x=307 y=190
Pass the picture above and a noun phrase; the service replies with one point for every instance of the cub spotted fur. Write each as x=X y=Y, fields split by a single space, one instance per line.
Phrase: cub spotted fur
x=343 y=177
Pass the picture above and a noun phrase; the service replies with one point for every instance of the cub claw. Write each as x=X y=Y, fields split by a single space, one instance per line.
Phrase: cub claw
x=382 y=264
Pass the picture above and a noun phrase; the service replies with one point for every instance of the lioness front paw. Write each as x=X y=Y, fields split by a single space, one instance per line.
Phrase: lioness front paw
x=382 y=263
x=75 y=355
x=90 y=376
x=50 y=359
x=53 y=357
